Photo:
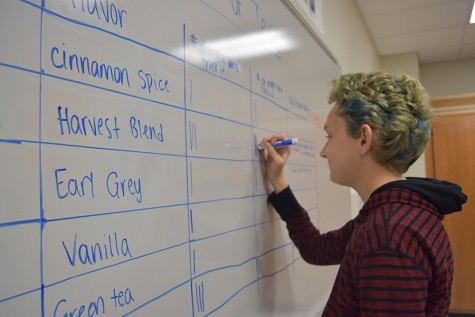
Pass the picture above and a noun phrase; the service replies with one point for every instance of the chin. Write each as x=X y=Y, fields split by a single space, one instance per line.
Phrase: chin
x=333 y=179
x=338 y=181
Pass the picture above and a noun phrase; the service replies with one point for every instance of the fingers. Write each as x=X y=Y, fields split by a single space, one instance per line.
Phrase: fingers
x=276 y=154
x=275 y=137
x=275 y=160
x=268 y=140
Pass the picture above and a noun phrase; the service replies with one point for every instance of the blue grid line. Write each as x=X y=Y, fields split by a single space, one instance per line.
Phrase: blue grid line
x=40 y=143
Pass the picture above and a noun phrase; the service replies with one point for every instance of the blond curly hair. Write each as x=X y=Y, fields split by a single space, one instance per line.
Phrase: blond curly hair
x=394 y=105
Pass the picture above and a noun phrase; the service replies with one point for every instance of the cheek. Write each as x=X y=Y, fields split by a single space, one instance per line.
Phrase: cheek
x=337 y=156
x=331 y=150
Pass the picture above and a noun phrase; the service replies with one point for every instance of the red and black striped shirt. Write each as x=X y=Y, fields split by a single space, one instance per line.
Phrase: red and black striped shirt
x=395 y=257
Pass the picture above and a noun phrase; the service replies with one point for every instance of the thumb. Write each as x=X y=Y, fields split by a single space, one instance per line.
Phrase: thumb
x=280 y=154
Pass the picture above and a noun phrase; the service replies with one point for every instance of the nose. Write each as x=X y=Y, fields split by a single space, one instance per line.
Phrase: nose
x=322 y=152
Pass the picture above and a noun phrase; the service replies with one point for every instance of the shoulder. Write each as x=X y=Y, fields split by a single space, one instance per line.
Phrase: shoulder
x=399 y=214
x=403 y=221
x=399 y=207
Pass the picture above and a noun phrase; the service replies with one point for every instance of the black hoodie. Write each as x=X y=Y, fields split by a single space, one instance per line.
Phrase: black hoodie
x=446 y=196
x=394 y=258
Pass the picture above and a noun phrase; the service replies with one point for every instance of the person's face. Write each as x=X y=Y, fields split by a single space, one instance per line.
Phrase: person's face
x=341 y=150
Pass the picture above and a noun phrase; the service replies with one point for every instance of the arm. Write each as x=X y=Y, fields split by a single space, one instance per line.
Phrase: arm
x=314 y=247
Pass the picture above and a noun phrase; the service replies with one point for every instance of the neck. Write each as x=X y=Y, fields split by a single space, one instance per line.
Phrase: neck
x=375 y=178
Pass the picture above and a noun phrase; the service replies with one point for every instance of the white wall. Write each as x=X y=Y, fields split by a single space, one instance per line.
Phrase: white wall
x=449 y=78
x=407 y=63
x=347 y=37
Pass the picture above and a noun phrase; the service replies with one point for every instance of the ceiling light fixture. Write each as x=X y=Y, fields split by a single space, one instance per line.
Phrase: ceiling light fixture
x=241 y=47
x=252 y=45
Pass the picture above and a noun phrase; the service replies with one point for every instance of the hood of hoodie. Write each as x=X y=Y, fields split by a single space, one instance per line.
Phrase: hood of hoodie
x=446 y=196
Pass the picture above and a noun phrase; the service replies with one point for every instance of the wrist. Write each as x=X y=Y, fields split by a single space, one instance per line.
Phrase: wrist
x=279 y=184
x=285 y=204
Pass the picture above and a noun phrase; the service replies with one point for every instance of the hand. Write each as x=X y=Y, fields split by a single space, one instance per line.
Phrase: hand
x=275 y=160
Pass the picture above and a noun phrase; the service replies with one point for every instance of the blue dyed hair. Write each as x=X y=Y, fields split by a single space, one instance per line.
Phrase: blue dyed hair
x=395 y=106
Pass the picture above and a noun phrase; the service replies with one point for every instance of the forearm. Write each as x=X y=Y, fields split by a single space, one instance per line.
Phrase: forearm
x=279 y=184
x=314 y=247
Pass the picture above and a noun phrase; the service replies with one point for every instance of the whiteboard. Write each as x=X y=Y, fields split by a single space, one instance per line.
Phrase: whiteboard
x=131 y=184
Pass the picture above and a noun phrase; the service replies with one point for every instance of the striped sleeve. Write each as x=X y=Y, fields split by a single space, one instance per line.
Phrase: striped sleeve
x=390 y=284
x=314 y=247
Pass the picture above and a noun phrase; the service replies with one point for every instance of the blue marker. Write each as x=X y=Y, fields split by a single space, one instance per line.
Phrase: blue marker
x=282 y=143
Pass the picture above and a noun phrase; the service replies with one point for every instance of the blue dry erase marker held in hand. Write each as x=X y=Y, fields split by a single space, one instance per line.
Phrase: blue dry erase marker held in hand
x=282 y=143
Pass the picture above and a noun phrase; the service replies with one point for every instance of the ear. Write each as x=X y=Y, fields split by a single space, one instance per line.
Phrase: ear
x=366 y=139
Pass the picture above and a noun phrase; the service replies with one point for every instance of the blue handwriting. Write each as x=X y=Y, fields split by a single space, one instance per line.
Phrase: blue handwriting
x=140 y=130
x=121 y=188
x=83 y=187
x=94 y=308
x=122 y=298
x=109 y=12
x=83 y=125
x=74 y=187
x=62 y=59
x=153 y=82
x=96 y=252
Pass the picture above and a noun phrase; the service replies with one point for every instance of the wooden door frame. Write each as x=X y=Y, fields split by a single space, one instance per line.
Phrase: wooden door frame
x=459 y=106
x=446 y=106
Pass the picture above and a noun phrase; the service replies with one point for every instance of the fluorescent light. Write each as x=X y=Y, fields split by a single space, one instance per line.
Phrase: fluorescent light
x=241 y=47
x=472 y=19
x=254 y=44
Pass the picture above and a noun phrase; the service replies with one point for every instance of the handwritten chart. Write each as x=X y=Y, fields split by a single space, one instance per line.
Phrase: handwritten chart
x=131 y=184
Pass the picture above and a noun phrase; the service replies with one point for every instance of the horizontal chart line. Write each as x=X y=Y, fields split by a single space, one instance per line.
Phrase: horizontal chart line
x=46 y=286
x=145 y=99
x=20 y=222
x=18 y=141
x=179 y=59
x=43 y=221
x=227 y=300
x=184 y=203
x=251 y=283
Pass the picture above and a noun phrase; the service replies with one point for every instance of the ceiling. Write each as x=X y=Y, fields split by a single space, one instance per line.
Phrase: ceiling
x=438 y=30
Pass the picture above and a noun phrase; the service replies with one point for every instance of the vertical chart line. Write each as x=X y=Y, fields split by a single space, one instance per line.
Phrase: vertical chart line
x=40 y=139
x=254 y=142
x=191 y=257
x=100 y=72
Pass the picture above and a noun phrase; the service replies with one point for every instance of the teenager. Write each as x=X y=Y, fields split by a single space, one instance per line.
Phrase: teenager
x=395 y=257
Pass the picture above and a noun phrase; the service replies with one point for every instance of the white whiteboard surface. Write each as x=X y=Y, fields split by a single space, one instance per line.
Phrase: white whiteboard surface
x=131 y=184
